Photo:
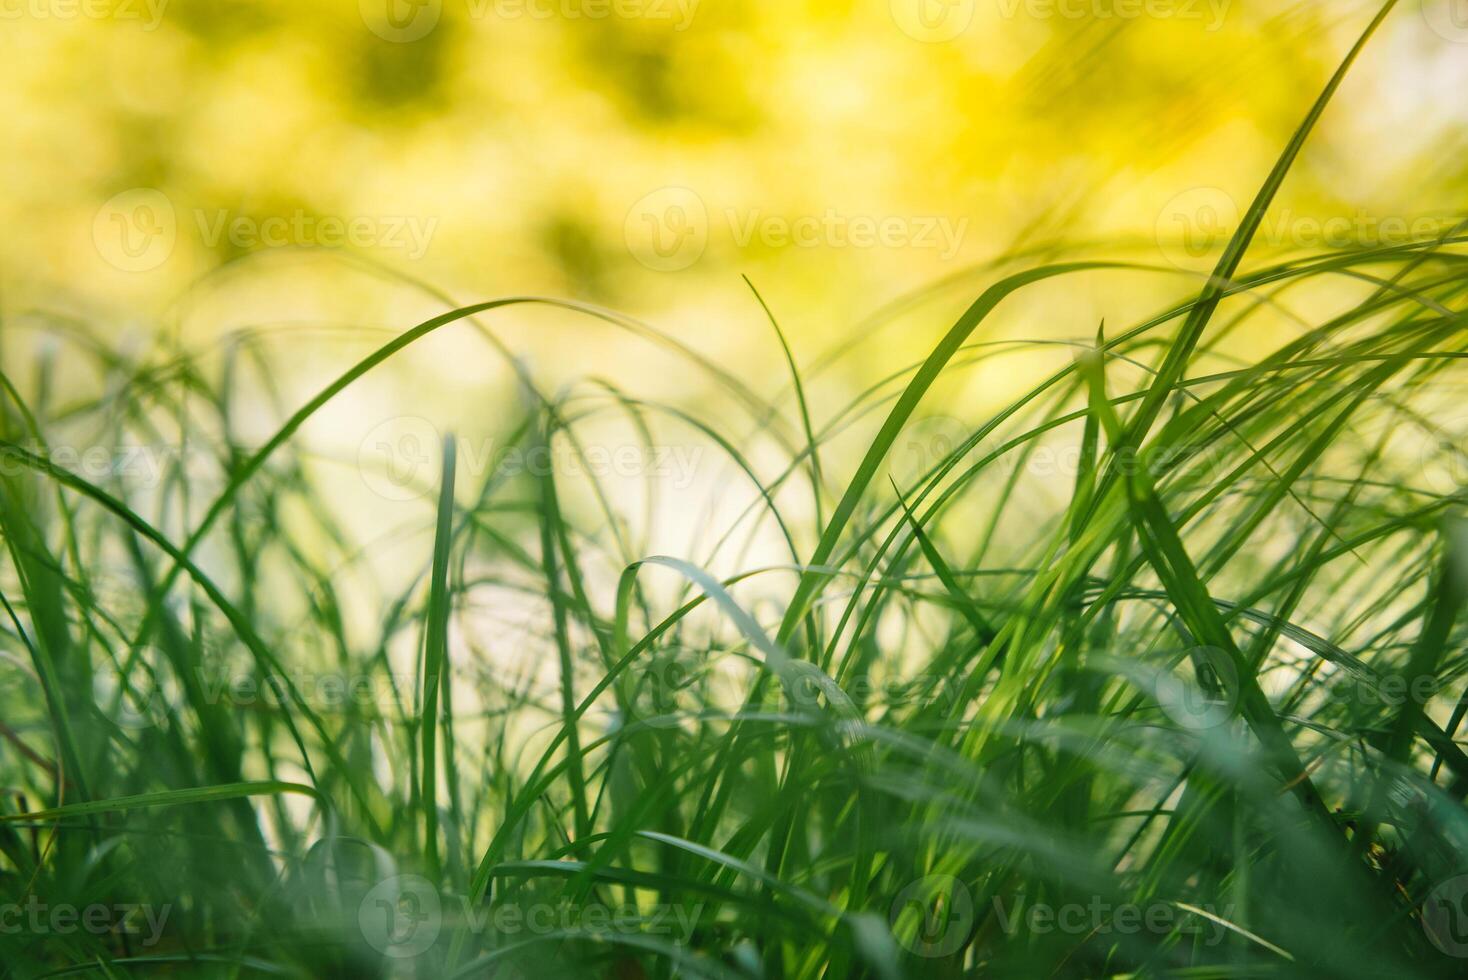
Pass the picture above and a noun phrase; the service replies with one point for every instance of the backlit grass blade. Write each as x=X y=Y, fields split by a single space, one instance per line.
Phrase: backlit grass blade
x=435 y=652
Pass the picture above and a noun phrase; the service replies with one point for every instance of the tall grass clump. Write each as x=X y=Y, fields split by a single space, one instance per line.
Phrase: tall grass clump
x=1157 y=671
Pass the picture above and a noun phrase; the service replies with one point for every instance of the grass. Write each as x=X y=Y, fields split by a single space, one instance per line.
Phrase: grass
x=1187 y=706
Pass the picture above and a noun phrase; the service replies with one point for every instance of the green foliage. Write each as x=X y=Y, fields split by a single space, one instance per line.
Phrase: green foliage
x=1189 y=708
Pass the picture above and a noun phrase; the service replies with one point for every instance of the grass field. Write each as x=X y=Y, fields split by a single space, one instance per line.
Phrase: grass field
x=1158 y=672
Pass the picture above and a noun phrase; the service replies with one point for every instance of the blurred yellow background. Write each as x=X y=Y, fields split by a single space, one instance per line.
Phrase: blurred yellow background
x=644 y=154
